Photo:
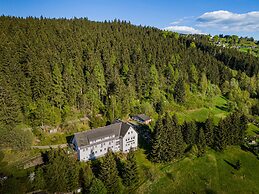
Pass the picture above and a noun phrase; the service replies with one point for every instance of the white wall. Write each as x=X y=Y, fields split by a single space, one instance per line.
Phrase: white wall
x=98 y=150
x=130 y=140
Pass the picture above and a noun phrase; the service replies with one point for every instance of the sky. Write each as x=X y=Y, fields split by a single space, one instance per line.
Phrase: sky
x=240 y=17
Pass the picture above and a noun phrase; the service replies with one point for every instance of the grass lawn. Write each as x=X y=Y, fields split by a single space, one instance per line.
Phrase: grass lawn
x=216 y=108
x=213 y=173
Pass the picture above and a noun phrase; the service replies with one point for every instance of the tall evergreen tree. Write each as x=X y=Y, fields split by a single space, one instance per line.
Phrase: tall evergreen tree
x=130 y=170
x=220 y=136
x=201 y=142
x=168 y=142
x=179 y=91
x=189 y=130
x=62 y=172
x=109 y=174
x=57 y=87
x=85 y=178
x=208 y=130
x=97 y=187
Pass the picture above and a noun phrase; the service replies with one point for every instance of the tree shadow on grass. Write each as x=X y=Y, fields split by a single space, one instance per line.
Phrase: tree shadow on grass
x=224 y=108
x=247 y=149
x=210 y=191
x=230 y=164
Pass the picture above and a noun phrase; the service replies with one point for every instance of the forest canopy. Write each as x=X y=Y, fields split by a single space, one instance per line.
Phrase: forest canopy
x=51 y=69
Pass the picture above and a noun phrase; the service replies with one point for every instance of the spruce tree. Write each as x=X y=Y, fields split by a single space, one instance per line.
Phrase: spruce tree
x=97 y=187
x=221 y=136
x=179 y=91
x=189 y=130
x=177 y=138
x=85 y=178
x=62 y=172
x=130 y=170
x=109 y=174
x=208 y=130
x=201 y=142
x=160 y=143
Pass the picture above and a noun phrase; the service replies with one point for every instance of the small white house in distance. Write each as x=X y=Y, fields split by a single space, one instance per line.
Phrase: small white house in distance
x=142 y=118
x=95 y=143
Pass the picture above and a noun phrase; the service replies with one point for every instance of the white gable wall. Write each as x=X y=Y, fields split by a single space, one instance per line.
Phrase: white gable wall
x=130 y=140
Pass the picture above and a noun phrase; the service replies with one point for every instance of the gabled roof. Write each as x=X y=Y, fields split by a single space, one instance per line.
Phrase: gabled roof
x=143 y=117
x=118 y=129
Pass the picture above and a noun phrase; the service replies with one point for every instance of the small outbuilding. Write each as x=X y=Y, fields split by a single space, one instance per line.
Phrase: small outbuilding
x=142 y=118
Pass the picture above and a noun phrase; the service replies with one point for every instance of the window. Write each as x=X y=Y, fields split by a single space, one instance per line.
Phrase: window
x=129 y=132
x=104 y=148
x=95 y=152
x=101 y=150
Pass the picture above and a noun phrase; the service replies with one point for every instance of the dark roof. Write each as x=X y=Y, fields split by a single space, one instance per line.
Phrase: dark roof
x=143 y=117
x=118 y=129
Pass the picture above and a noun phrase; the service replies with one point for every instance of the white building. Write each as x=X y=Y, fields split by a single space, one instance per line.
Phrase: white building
x=95 y=143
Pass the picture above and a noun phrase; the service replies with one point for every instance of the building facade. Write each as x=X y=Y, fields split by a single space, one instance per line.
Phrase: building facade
x=95 y=143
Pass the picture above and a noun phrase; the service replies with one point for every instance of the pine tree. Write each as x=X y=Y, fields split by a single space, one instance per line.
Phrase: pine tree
x=201 y=142
x=97 y=187
x=57 y=87
x=157 y=145
x=189 y=132
x=85 y=178
x=220 y=136
x=168 y=142
x=208 y=130
x=62 y=172
x=130 y=170
x=179 y=91
x=109 y=174
x=9 y=108
x=177 y=138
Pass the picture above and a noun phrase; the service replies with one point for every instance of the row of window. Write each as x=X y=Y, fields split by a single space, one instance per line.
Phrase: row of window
x=131 y=143
x=102 y=144
x=105 y=149
x=130 y=138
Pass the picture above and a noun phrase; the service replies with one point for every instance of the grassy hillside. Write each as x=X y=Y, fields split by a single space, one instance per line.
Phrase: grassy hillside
x=213 y=173
x=216 y=108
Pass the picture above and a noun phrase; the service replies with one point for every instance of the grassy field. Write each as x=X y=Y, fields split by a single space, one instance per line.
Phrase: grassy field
x=213 y=173
x=216 y=108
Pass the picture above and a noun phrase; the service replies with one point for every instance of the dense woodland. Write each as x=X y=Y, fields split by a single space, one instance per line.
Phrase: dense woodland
x=55 y=70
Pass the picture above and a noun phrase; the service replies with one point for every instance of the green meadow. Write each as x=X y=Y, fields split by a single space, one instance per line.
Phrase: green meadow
x=212 y=173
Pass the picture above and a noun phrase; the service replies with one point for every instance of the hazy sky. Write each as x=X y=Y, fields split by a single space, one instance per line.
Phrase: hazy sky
x=239 y=17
